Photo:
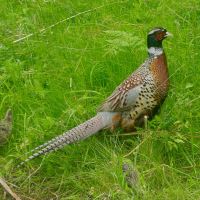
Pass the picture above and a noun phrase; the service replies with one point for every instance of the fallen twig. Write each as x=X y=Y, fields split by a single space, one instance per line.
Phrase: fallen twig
x=129 y=134
x=8 y=190
x=59 y=22
x=132 y=151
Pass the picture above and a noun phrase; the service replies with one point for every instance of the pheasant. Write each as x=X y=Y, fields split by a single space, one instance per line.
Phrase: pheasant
x=5 y=127
x=140 y=95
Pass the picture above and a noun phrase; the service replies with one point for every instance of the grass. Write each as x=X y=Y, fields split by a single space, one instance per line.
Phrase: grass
x=56 y=78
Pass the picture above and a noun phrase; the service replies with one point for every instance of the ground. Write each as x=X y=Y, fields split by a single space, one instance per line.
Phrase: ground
x=59 y=59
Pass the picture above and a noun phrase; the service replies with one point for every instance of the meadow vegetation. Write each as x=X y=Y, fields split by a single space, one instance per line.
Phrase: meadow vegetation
x=61 y=70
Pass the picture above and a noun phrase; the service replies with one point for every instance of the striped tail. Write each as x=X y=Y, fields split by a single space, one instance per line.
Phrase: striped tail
x=100 y=121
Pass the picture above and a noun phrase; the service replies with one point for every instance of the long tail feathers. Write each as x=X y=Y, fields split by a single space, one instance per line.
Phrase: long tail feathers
x=82 y=131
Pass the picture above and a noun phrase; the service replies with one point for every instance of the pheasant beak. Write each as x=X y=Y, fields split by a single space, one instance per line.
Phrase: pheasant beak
x=167 y=34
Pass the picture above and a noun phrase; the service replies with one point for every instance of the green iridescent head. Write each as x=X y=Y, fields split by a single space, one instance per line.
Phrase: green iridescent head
x=156 y=36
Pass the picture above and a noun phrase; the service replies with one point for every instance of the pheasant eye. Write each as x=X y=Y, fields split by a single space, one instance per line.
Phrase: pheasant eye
x=159 y=36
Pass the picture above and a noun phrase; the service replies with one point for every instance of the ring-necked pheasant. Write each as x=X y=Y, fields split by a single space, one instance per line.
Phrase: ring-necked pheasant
x=138 y=96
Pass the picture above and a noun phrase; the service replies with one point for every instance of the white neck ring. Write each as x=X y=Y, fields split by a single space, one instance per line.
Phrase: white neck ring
x=155 y=51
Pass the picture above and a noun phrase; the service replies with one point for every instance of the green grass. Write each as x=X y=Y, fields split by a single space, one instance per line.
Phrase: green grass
x=35 y=76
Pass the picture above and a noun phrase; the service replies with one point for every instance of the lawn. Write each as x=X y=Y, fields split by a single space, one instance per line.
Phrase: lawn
x=59 y=59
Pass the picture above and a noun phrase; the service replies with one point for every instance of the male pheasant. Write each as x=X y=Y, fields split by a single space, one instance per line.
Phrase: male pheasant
x=138 y=96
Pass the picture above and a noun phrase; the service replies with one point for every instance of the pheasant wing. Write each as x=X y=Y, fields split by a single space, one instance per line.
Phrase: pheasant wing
x=125 y=95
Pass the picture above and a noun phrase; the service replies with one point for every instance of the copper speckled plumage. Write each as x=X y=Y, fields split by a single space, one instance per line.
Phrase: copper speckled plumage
x=138 y=96
x=141 y=93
